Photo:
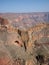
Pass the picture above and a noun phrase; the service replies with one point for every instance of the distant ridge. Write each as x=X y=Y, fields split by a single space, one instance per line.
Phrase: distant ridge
x=26 y=19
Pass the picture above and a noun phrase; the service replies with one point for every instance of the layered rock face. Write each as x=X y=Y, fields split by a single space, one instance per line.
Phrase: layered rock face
x=23 y=46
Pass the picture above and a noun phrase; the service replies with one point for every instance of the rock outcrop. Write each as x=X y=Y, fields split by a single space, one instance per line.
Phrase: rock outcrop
x=21 y=46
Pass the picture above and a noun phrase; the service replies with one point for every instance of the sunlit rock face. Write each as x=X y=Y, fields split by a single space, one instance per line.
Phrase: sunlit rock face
x=20 y=45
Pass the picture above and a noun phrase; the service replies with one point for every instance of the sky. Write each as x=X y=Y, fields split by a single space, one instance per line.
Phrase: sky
x=22 y=6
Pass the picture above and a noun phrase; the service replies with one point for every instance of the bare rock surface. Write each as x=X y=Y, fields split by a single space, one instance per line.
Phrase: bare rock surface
x=24 y=39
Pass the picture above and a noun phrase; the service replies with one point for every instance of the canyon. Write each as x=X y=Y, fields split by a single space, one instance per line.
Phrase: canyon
x=24 y=37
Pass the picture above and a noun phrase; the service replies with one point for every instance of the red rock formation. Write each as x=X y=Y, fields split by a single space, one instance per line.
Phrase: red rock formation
x=3 y=21
x=5 y=59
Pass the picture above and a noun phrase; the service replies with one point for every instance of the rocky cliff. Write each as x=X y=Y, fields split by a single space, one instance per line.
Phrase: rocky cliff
x=21 y=45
